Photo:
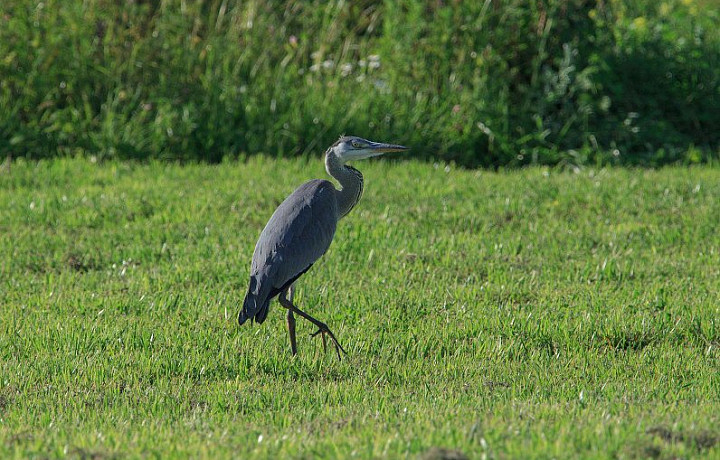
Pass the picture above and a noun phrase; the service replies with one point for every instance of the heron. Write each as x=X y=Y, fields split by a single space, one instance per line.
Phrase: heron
x=301 y=230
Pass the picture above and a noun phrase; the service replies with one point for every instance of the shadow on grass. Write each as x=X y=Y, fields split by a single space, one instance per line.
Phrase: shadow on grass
x=701 y=440
x=663 y=442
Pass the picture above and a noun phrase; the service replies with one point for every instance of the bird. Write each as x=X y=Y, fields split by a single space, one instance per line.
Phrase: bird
x=301 y=230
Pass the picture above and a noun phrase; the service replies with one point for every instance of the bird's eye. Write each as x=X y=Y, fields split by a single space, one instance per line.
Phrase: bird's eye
x=356 y=144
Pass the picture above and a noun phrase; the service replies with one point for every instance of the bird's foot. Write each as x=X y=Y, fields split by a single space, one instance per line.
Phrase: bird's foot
x=322 y=331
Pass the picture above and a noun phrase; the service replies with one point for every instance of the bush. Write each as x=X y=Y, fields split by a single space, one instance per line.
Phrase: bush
x=478 y=83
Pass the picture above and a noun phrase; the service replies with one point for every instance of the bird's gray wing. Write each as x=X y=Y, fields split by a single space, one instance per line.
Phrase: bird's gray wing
x=297 y=234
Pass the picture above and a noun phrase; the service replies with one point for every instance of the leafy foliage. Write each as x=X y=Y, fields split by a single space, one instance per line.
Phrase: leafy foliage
x=480 y=83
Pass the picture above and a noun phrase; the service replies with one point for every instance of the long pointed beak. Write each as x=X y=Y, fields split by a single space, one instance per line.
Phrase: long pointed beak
x=378 y=147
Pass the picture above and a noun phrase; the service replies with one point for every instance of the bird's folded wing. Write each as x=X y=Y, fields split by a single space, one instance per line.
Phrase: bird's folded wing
x=297 y=234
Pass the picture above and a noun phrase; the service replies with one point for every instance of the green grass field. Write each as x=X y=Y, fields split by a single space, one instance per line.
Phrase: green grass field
x=525 y=314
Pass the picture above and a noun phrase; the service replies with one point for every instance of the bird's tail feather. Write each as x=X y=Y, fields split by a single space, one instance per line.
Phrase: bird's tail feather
x=262 y=312
x=253 y=309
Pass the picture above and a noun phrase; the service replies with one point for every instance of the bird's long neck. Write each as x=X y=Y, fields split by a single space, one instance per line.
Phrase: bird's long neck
x=351 y=183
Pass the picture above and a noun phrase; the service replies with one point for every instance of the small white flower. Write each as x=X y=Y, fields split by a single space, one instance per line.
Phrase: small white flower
x=374 y=61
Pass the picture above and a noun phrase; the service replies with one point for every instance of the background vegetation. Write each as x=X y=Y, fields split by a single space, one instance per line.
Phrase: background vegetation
x=524 y=314
x=480 y=83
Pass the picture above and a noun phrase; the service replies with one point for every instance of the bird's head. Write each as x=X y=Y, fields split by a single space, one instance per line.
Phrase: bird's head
x=349 y=148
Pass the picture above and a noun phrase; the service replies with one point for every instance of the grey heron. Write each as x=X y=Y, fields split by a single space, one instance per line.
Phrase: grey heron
x=301 y=230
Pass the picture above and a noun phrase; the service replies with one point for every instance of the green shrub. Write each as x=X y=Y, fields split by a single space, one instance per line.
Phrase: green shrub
x=479 y=83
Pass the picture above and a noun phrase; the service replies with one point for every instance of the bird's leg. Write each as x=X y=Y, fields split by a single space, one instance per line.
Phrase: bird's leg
x=287 y=296
x=322 y=330
x=291 y=331
x=319 y=331
x=322 y=327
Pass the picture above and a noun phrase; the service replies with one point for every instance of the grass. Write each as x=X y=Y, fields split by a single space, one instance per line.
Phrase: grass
x=526 y=314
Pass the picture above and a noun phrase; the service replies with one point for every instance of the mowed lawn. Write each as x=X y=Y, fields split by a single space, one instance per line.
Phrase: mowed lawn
x=526 y=314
